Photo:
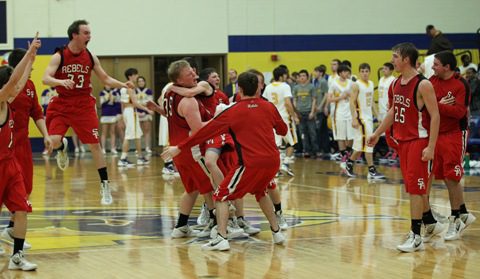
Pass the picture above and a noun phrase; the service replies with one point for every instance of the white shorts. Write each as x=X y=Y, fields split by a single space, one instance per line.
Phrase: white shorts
x=361 y=135
x=342 y=130
x=108 y=119
x=163 y=131
x=132 y=124
x=144 y=116
x=291 y=137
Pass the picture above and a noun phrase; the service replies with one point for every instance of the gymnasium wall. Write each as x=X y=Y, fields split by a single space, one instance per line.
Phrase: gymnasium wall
x=302 y=33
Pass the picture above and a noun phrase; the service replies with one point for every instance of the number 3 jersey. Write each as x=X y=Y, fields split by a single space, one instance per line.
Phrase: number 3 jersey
x=76 y=67
x=410 y=122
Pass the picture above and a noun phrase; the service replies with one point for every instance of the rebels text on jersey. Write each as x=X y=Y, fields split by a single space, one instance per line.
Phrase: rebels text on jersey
x=76 y=67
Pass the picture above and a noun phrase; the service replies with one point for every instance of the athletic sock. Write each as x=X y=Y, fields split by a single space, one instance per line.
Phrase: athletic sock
x=103 y=174
x=428 y=218
x=182 y=220
x=416 y=226
x=278 y=207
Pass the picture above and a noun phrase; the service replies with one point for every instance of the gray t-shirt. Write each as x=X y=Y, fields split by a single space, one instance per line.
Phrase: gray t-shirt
x=321 y=90
x=304 y=94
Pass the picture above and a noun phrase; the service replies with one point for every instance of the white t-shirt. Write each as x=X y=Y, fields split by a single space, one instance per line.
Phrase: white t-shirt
x=463 y=69
x=341 y=110
x=276 y=92
x=383 y=86
x=365 y=99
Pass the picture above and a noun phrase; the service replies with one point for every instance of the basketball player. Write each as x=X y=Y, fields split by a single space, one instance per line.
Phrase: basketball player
x=280 y=94
x=361 y=109
x=24 y=106
x=13 y=189
x=453 y=94
x=69 y=72
x=144 y=95
x=185 y=116
x=132 y=123
x=339 y=94
x=383 y=85
x=414 y=118
x=259 y=157
x=108 y=120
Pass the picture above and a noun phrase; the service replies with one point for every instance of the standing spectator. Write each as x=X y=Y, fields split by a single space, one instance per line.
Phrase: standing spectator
x=305 y=100
x=474 y=82
x=321 y=89
x=439 y=41
x=466 y=63
x=145 y=94
x=231 y=88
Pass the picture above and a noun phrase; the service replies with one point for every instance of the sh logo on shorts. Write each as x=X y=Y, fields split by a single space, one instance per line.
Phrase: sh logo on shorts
x=458 y=170
x=95 y=133
x=421 y=183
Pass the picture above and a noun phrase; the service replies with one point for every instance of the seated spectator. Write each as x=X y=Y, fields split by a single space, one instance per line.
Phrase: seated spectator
x=466 y=63
x=474 y=82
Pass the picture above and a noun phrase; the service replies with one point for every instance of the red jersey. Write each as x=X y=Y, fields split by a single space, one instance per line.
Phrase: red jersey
x=76 y=67
x=453 y=118
x=250 y=122
x=25 y=106
x=178 y=128
x=221 y=97
x=410 y=121
x=6 y=136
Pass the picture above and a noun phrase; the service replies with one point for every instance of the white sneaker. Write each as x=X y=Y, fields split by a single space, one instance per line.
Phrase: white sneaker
x=114 y=151
x=7 y=234
x=278 y=237
x=455 y=228
x=432 y=230
x=207 y=230
x=247 y=227
x=218 y=243
x=148 y=150
x=82 y=149
x=170 y=170
x=232 y=232
x=184 y=231
x=105 y=193
x=142 y=161
x=286 y=170
x=77 y=150
x=204 y=216
x=62 y=155
x=104 y=151
x=282 y=223
x=374 y=175
x=18 y=261
x=467 y=219
x=125 y=163
x=412 y=243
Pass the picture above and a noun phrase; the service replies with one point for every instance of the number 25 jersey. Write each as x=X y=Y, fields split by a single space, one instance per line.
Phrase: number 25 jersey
x=410 y=122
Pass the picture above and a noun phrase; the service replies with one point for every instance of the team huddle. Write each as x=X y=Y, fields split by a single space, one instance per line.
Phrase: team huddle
x=226 y=148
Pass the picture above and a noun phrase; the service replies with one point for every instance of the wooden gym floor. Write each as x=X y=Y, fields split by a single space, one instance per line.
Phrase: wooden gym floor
x=340 y=228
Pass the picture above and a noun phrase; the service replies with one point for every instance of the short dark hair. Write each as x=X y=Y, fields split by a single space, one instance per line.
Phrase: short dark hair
x=347 y=63
x=257 y=72
x=5 y=73
x=364 y=66
x=429 y=27
x=462 y=58
x=74 y=28
x=295 y=74
x=278 y=72
x=248 y=82
x=447 y=58
x=205 y=73
x=407 y=50
x=337 y=60
x=303 y=71
x=130 y=72
x=321 y=69
x=389 y=65
x=343 y=68
x=16 y=56
x=192 y=62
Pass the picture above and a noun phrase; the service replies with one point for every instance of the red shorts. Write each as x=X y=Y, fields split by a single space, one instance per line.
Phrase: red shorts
x=416 y=172
x=194 y=174
x=228 y=160
x=449 y=156
x=23 y=154
x=272 y=185
x=221 y=141
x=77 y=112
x=243 y=180
x=12 y=188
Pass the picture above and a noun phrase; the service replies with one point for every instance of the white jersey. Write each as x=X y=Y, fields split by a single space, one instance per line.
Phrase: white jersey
x=365 y=100
x=341 y=109
x=428 y=64
x=276 y=92
x=124 y=96
x=331 y=79
x=383 y=86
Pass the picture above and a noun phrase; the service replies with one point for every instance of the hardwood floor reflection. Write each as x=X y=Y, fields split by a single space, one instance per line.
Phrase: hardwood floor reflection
x=340 y=228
